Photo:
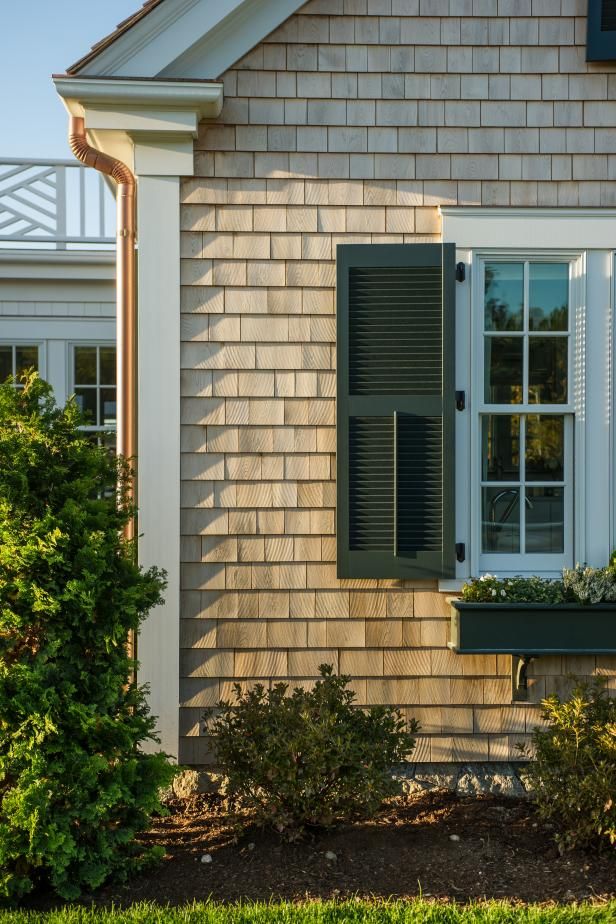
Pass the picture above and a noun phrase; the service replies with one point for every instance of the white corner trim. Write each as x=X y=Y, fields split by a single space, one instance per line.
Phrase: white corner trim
x=205 y=99
x=158 y=462
x=523 y=229
x=156 y=44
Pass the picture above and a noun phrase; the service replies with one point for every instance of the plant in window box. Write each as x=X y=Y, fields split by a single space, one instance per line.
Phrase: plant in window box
x=532 y=616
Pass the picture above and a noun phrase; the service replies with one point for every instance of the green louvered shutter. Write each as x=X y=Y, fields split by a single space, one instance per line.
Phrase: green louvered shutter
x=395 y=410
x=601 y=30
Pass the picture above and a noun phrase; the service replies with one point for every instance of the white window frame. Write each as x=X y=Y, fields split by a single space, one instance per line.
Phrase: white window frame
x=580 y=235
x=90 y=428
x=29 y=341
x=527 y=563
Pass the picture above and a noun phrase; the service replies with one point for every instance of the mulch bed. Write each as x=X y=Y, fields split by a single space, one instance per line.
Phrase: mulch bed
x=503 y=851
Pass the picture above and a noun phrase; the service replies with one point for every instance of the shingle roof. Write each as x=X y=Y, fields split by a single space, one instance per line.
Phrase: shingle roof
x=120 y=29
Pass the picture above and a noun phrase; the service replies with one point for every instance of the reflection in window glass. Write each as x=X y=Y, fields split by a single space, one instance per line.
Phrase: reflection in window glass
x=545 y=447
x=108 y=365
x=503 y=370
x=6 y=362
x=504 y=296
x=548 y=296
x=86 y=402
x=15 y=359
x=500 y=452
x=85 y=366
x=547 y=370
x=545 y=516
x=500 y=520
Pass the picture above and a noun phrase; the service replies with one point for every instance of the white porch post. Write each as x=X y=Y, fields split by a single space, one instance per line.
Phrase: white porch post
x=158 y=280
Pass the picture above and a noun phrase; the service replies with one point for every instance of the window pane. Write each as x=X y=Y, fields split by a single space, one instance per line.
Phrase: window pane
x=85 y=365
x=6 y=362
x=108 y=365
x=108 y=407
x=503 y=370
x=26 y=357
x=545 y=528
x=545 y=448
x=547 y=370
x=500 y=447
x=504 y=296
x=86 y=402
x=500 y=520
x=549 y=296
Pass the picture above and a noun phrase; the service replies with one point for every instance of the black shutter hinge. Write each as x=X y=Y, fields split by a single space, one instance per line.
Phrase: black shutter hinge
x=460 y=400
x=460 y=551
x=460 y=272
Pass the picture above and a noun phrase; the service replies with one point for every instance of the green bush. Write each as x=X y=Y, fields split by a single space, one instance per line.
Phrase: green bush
x=74 y=787
x=310 y=757
x=490 y=589
x=574 y=769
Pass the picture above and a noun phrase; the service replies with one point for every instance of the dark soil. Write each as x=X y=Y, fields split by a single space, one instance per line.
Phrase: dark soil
x=503 y=851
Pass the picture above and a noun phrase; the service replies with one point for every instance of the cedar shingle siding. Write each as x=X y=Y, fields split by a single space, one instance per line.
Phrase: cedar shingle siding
x=350 y=124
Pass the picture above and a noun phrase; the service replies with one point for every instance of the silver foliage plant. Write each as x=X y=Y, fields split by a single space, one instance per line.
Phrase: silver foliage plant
x=591 y=585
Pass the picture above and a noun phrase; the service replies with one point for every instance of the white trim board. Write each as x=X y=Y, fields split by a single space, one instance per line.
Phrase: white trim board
x=529 y=229
x=158 y=455
x=190 y=38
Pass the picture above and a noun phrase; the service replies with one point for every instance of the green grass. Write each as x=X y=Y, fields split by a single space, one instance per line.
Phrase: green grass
x=355 y=912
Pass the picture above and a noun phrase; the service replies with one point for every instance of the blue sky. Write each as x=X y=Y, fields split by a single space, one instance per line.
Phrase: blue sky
x=41 y=37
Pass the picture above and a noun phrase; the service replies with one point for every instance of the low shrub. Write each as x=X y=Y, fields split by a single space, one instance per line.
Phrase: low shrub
x=309 y=757
x=74 y=787
x=573 y=772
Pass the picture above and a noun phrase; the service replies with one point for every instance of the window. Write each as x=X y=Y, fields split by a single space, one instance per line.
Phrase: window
x=524 y=420
x=94 y=386
x=15 y=358
x=601 y=30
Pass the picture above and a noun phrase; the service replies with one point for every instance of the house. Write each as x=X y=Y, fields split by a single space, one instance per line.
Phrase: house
x=318 y=479
x=57 y=269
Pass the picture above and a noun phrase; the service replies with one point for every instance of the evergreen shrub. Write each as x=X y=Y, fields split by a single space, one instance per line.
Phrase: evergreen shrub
x=75 y=788
x=573 y=773
x=309 y=757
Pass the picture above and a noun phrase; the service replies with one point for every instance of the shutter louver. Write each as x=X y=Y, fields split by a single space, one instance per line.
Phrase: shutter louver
x=608 y=16
x=395 y=410
x=601 y=30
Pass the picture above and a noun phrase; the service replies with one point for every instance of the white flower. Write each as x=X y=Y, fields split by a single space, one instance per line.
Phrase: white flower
x=503 y=594
x=493 y=592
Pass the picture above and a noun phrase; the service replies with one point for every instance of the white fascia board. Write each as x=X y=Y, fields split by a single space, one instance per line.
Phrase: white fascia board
x=158 y=44
x=231 y=38
x=54 y=264
x=205 y=99
x=529 y=229
x=143 y=120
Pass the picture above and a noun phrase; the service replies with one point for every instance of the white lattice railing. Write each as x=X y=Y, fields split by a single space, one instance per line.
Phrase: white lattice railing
x=61 y=205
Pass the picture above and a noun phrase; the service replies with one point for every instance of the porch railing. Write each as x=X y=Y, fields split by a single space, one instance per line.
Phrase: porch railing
x=59 y=205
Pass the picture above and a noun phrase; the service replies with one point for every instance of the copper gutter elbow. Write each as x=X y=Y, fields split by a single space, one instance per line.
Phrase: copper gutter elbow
x=125 y=292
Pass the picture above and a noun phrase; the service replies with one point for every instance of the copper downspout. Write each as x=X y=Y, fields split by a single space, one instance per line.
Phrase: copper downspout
x=125 y=300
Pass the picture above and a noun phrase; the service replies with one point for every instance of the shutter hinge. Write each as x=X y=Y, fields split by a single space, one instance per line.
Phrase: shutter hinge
x=460 y=551
x=460 y=272
x=460 y=400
